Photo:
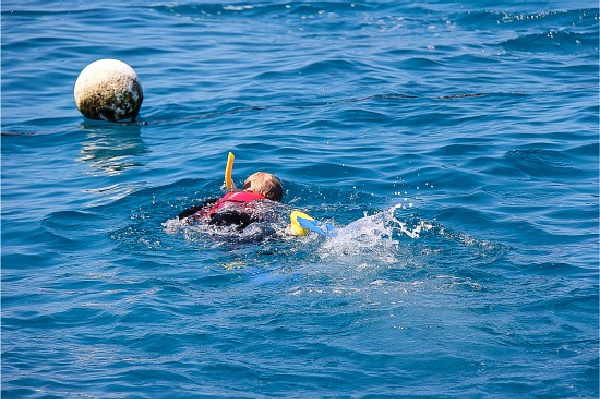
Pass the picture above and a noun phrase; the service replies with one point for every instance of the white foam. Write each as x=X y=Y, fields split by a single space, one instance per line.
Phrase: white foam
x=371 y=238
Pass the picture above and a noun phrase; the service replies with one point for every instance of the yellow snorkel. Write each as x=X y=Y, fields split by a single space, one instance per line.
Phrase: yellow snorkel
x=228 y=180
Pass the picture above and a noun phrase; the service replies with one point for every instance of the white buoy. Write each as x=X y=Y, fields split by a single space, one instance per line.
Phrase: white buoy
x=108 y=89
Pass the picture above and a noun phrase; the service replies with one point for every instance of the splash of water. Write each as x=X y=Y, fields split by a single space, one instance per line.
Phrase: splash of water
x=372 y=237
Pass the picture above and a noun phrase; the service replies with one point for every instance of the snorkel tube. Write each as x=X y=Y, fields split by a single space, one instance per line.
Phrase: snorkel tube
x=228 y=181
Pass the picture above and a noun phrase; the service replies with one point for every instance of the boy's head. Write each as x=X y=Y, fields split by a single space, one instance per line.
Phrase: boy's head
x=265 y=184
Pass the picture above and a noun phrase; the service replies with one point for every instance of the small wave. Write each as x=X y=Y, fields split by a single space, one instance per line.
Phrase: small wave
x=590 y=150
x=512 y=19
x=328 y=169
x=419 y=63
x=554 y=41
x=559 y=17
x=332 y=65
x=74 y=229
x=536 y=162
x=207 y=10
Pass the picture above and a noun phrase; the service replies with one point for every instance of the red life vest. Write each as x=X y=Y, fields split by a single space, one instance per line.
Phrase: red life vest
x=236 y=200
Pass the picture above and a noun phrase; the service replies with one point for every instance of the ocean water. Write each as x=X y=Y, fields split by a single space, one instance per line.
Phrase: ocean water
x=454 y=144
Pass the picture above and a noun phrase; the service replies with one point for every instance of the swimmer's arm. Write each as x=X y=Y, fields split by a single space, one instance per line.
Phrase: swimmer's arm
x=194 y=209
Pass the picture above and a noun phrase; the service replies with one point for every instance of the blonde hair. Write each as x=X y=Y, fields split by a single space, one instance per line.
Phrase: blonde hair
x=265 y=184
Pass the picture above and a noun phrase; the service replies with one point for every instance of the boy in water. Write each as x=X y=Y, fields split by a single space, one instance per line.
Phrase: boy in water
x=239 y=207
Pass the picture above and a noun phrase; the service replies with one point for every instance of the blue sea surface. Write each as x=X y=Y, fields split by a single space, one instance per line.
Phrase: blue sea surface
x=454 y=145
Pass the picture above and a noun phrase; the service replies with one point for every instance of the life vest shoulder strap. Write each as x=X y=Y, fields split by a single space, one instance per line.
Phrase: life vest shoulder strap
x=238 y=197
x=242 y=196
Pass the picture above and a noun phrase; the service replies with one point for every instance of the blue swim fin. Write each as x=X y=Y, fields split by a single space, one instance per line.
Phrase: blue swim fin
x=303 y=224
